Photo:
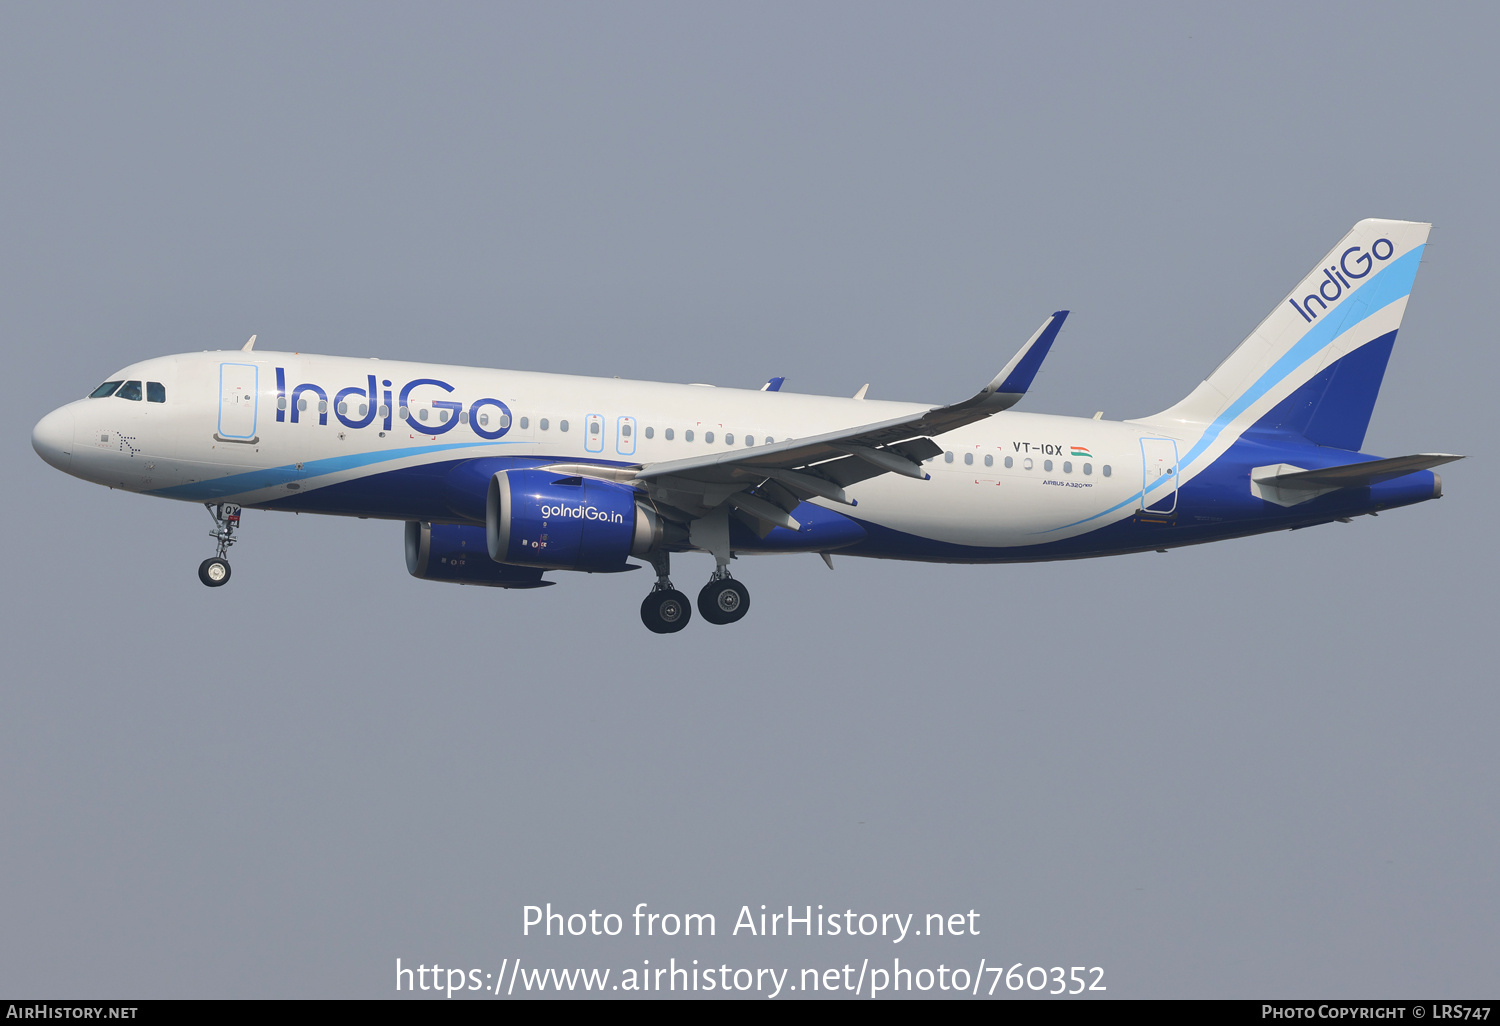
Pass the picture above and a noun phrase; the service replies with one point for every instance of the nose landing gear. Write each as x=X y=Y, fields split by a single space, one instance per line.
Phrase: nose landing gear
x=666 y=610
x=214 y=571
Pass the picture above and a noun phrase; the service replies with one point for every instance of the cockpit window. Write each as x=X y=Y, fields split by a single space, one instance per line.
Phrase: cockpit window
x=156 y=392
x=130 y=390
x=108 y=388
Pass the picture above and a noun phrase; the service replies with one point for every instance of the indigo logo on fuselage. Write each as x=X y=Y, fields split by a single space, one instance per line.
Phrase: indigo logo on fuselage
x=1340 y=277
x=368 y=403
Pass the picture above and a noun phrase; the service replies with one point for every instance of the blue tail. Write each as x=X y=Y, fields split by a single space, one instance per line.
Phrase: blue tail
x=1334 y=407
x=1314 y=366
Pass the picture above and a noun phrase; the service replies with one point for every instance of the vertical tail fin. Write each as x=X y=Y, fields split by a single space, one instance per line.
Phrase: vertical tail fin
x=1315 y=364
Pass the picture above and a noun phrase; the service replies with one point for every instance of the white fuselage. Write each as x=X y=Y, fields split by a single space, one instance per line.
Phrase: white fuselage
x=1012 y=480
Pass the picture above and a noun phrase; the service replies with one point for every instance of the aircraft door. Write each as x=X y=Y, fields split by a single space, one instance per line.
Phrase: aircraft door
x=239 y=387
x=625 y=436
x=1159 y=476
x=593 y=433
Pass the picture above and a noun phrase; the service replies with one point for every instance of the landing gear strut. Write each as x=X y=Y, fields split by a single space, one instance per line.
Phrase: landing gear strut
x=666 y=610
x=723 y=599
x=214 y=571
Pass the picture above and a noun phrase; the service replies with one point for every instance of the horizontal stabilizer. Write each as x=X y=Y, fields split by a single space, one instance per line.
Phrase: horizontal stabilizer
x=1354 y=475
x=1287 y=485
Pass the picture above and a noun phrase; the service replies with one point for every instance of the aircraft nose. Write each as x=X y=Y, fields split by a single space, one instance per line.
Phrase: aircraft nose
x=52 y=438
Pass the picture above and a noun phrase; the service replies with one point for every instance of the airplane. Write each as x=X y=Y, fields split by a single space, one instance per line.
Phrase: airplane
x=504 y=476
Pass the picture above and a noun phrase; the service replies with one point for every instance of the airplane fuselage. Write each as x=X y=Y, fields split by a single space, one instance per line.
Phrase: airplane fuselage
x=407 y=441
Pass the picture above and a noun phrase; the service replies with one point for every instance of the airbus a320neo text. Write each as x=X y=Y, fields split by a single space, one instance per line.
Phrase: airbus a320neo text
x=504 y=477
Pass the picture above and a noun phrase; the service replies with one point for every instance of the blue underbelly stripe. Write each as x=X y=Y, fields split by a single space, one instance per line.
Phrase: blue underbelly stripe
x=238 y=484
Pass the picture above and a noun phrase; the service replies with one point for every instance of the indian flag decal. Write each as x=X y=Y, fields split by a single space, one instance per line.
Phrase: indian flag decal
x=1079 y=450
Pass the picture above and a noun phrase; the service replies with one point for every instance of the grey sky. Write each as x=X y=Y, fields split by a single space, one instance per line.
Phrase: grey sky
x=1260 y=767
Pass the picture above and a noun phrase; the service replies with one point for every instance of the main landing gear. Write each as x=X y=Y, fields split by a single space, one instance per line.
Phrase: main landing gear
x=214 y=571
x=665 y=610
x=723 y=599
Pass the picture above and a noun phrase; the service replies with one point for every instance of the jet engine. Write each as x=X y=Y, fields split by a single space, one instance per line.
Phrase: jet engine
x=456 y=553
x=539 y=518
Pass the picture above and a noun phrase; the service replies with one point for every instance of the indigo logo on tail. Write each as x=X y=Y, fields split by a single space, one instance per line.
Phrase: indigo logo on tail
x=1350 y=268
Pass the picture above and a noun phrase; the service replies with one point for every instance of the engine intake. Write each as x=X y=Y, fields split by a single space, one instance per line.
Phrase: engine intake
x=540 y=519
x=456 y=554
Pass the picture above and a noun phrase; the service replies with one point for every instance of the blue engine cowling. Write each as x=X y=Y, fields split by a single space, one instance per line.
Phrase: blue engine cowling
x=542 y=519
x=456 y=554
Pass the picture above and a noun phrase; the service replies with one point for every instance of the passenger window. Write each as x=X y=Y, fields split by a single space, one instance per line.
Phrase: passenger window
x=1009 y=463
x=130 y=390
x=323 y=406
x=156 y=392
x=947 y=457
x=1106 y=470
x=770 y=440
x=749 y=439
x=562 y=425
x=1067 y=466
x=443 y=416
x=504 y=420
x=484 y=420
x=542 y=423
x=708 y=437
x=1047 y=466
x=1026 y=463
x=729 y=439
x=651 y=432
x=302 y=407
x=669 y=434
x=968 y=459
x=364 y=408
x=343 y=408
x=594 y=428
x=687 y=436
x=421 y=414
x=989 y=461
x=384 y=411
x=525 y=423
x=106 y=389
x=624 y=430
x=1088 y=468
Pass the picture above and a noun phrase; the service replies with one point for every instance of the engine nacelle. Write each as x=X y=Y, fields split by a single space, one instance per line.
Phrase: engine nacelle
x=542 y=519
x=456 y=554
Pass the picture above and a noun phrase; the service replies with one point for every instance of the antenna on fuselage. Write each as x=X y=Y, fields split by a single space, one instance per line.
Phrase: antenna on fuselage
x=248 y=345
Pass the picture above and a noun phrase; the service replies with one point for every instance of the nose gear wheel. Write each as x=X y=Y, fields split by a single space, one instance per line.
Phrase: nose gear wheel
x=214 y=571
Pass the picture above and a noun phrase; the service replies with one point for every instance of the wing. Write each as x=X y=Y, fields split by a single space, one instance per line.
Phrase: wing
x=767 y=482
